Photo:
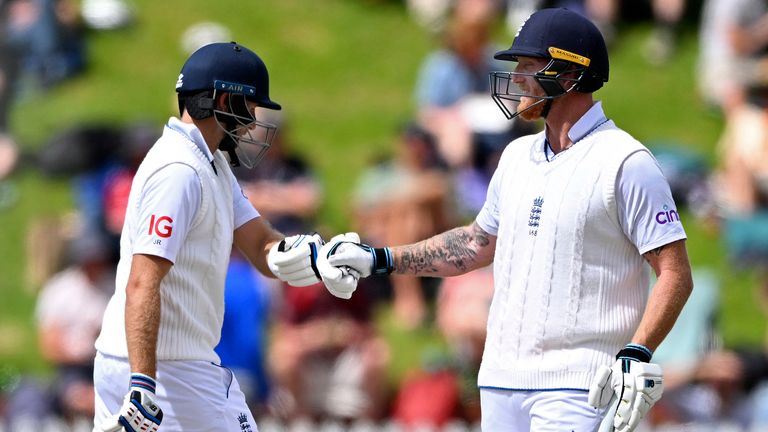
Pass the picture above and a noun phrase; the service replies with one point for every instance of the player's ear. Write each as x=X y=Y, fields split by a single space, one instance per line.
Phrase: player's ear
x=222 y=102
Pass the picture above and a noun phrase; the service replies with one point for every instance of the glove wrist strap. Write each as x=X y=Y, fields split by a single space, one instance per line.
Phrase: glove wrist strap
x=383 y=263
x=635 y=352
x=144 y=382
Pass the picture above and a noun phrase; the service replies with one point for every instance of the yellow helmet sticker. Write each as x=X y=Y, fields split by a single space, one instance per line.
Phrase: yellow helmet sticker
x=562 y=54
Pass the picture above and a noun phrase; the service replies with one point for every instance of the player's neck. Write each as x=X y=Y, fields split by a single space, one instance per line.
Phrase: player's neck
x=209 y=129
x=562 y=116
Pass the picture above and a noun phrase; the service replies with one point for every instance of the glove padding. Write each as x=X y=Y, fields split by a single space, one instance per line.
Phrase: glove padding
x=636 y=385
x=139 y=412
x=293 y=259
x=340 y=281
x=364 y=259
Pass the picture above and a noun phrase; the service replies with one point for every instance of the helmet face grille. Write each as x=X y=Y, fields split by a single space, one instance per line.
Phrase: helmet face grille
x=556 y=79
x=249 y=136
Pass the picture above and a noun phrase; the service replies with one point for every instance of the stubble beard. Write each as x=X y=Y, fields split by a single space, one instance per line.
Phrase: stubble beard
x=534 y=113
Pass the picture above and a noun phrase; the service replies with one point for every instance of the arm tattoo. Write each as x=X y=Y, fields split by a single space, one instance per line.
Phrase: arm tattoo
x=655 y=252
x=456 y=248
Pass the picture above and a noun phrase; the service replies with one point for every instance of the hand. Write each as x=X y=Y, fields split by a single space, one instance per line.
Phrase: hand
x=293 y=259
x=340 y=281
x=362 y=258
x=139 y=412
x=635 y=383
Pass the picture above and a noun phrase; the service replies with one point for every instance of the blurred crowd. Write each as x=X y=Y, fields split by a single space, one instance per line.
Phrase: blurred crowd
x=305 y=358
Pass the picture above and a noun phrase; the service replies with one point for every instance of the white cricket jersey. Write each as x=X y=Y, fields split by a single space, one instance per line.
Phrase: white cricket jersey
x=182 y=209
x=570 y=283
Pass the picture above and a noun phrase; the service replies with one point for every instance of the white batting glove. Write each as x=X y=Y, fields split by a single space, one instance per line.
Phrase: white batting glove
x=340 y=281
x=364 y=259
x=293 y=259
x=139 y=412
x=636 y=384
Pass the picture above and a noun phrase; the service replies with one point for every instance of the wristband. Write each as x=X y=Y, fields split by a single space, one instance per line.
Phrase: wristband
x=635 y=352
x=142 y=381
x=382 y=261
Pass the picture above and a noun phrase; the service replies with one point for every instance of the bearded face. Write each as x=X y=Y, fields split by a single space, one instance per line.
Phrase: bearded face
x=531 y=108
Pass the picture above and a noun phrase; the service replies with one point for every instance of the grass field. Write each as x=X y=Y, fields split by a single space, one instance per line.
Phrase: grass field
x=344 y=71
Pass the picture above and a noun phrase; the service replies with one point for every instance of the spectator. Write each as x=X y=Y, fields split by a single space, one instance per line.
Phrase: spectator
x=101 y=160
x=69 y=312
x=462 y=317
x=48 y=37
x=731 y=35
x=402 y=200
x=8 y=67
x=284 y=188
x=738 y=32
x=452 y=86
x=326 y=357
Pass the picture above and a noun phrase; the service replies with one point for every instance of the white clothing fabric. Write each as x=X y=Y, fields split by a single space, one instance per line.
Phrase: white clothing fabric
x=70 y=302
x=195 y=396
x=537 y=411
x=642 y=192
x=570 y=283
x=189 y=220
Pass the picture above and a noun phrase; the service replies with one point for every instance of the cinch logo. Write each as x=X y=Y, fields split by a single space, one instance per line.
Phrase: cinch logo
x=667 y=216
x=180 y=81
x=160 y=226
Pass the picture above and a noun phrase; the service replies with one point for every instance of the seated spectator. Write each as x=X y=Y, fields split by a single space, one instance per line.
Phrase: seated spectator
x=453 y=85
x=69 y=312
x=48 y=38
x=326 y=358
x=462 y=314
x=101 y=160
x=401 y=201
x=283 y=187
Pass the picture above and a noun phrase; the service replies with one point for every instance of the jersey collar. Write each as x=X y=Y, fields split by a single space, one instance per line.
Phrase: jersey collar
x=191 y=132
x=587 y=123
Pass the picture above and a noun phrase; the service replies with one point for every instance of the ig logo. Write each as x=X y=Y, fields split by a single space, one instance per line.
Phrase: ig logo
x=160 y=226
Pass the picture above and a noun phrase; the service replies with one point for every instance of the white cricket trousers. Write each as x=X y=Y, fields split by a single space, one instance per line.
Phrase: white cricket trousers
x=537 y=411
x=195 y=396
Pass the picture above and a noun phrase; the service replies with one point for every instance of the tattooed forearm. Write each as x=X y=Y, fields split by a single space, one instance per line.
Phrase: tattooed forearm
x=653 y=253
x=452 y=252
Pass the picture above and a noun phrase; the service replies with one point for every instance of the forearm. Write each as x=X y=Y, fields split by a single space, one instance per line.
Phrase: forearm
x=142 y=323
x=451 y=253
x=667 y=299
x=253 y=239
x=142 y=311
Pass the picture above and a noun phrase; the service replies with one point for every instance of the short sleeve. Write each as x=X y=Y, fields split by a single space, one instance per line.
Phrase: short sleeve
x=169 y=203
x=647 y=213
x=488 y=218
x=243 y=209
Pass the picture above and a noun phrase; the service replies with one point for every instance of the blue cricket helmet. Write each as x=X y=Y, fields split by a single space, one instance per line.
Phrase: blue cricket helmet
x=229 y=67
x=561 y=34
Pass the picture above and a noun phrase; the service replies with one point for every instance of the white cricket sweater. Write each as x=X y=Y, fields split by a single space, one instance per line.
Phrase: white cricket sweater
x=569 y=286
x=192 y=293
